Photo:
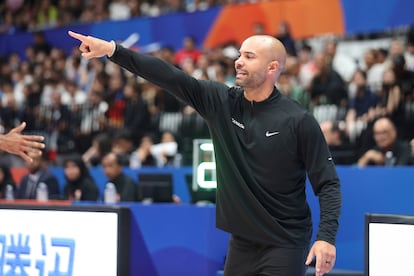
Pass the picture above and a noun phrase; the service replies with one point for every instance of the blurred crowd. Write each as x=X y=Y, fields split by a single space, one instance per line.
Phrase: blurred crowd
x=33 y=15
x=91 y=108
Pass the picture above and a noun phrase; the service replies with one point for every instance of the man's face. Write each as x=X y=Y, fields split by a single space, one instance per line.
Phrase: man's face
x=251 y=66
x=384 y=134
x=111 y=167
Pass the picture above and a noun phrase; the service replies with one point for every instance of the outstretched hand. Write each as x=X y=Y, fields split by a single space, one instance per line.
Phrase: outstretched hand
x=92 y=47
x=325 y=254
x=22 y=145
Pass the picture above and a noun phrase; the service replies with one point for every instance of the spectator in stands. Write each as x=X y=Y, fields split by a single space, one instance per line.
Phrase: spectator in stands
x=409 y=52
x=72 y=95
x=123 y=144
x=307 y=68
x=166 y=151
x=119 y=10
x=101 y=145
x=292 y=67
x=412 y=149
x=38 y=173
x=150 y=8
x=405 y=81
x=149 y=94
x=142 y=156
x=375 y=70
x=94 y=11
x=390 y=99
x=327 y=86
x=258 y=28
x=343 y=152
x=6 y=23
x=9 y=110
x=40 y=44
x=47 y=14
x=116 y=100
x=57 y=119
x=288 y=87
x=159 y=100
x=197 y=5
x=369 y=59
x=30 y=110
x=362 y=104
x=203 y=68
x=404 y=77
x=6 y=179
x=172 y=6
x=125 y=186
x=79 y=183
x=188 y=66
x=389 y=149
x=90 y=118
x=68 y=12
x=135 y=8
x=189 y=50
x=396 y=48
x=284 y=35
x=136 y=113
x=164 y=102
x=19 y=83
x=340 y=62
x=222 y=72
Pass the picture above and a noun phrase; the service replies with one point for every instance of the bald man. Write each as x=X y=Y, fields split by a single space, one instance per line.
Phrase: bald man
x=265 y=145
x=126 y=187
x=386 y=142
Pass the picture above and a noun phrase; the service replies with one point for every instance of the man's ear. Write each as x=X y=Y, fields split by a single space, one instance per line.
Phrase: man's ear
x=274 y=65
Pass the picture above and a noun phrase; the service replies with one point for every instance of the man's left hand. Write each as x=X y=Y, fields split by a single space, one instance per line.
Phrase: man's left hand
x=325 y=254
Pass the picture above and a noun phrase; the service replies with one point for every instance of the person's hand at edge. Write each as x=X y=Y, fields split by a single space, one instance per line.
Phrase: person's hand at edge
x=22 y=145
x=325 y=254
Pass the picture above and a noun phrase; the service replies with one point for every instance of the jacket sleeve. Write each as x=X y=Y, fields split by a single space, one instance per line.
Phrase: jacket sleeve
x=322 y=175
x=200 y=94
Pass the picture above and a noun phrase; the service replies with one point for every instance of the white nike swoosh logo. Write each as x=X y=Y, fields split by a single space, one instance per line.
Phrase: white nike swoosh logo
x=268 y=133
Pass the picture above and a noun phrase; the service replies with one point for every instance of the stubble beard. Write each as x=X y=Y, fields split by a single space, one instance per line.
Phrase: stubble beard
x=251 y=82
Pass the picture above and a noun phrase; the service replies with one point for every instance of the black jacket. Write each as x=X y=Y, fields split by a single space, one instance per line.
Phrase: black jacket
x=263 y=152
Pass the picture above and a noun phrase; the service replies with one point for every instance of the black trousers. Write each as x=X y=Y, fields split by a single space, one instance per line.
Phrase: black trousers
x=246 y=258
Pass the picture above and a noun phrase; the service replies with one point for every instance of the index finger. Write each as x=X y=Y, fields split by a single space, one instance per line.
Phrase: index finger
x=77 y=36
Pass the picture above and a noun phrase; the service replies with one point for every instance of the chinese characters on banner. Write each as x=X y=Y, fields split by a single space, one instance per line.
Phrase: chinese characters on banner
x=55 y=257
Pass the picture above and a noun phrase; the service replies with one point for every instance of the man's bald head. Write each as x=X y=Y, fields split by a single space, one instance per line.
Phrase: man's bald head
x=268 y=46
x=261 y=61
x=385 y=133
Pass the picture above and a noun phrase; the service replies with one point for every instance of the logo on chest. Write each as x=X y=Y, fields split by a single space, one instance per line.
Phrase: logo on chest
x=271 y=133
x=240 y=125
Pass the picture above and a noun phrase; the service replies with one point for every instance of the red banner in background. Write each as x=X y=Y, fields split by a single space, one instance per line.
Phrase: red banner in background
x=306 y=18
